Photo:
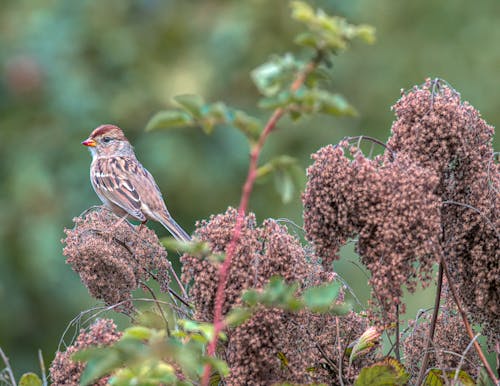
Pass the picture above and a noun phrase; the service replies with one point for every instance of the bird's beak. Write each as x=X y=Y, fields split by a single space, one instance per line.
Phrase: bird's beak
x=89 y=142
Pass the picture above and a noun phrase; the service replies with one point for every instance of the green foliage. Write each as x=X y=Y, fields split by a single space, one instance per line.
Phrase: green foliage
x=282 y=295
x=277 y=74
x=483 y=379
x=146 y=356
x=327 y=32
x=321 y=298
x=196 y=113
x=288 y=176
x=30 y=379
x=277 y=293
x=436 y=377
x=386 y=373
x=309 y=101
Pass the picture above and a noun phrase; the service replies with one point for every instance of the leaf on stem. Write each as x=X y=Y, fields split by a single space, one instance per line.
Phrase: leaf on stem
x=325 y=32
x=169 y=119
x=386 y=372
x=320 y=298
x=30 y=379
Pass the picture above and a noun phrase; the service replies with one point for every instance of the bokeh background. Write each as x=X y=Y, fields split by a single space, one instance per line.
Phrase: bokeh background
x=68 y=66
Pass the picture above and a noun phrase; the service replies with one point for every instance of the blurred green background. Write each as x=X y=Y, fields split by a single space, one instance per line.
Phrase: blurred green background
x=68 y=66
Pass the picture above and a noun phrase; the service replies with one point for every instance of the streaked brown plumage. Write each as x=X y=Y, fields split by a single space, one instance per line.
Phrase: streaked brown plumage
x=123 y=184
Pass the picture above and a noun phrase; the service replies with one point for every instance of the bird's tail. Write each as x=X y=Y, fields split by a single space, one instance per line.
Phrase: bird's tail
x=179 y=234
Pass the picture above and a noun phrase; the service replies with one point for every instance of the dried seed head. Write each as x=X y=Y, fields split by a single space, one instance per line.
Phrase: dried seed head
x=112 y=264
x=63 y=371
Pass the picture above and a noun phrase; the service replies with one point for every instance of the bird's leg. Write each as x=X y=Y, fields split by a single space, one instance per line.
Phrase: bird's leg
x=118 y=223
x=143 y=223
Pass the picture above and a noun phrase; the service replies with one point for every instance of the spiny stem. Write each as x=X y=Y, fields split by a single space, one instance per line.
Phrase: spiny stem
x=245 y=198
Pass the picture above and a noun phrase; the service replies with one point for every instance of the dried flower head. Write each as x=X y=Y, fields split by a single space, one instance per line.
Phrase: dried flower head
x=449 y=343
x=261 y=253
x=438 y=131
x=65 y=372
x=388 y=203
x=113 y=260
x=273 y=345
x=316 y=342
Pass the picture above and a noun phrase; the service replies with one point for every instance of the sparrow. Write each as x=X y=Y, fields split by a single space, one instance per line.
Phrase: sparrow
x=123 y=184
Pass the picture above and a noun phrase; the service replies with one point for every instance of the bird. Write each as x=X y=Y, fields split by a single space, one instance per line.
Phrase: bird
x=123 y=184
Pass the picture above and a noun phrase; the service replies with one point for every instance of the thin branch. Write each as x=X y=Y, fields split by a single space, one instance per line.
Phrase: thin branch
x=467 y=325
x=339 y=346
x=440 y=363
x=396 y=349
x=486 y=219
x=96 y=311
x=245 y=198
x=359 y=138
x=462 y=358
x=317 y=345
x=7 y=367
x=42 y=368
x=157 y=305
x=432 y=326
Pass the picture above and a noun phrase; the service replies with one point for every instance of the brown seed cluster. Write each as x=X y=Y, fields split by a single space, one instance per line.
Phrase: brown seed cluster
x=65 y=372
x=438 y=131
x=449 y=343
x=113 y=260
x=260 y=253
x=273 y=345
x=388 y=204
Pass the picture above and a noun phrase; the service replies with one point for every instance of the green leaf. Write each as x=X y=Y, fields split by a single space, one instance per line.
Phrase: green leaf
x=336 y=105
x=168 y=119
x=237 y=316
x=248 y=125
x=483 y=379
x=30 y=379
x=276 y=75
x=386 y=373
x=327 y=32
x=99 y=366
x=276 y=294
x=321 y=298
x=307 y=39
x=218 y=365
x=137 y=332
x=340 y=308
x=191 y=103
x=153 y=320
x=435 y=377
x=194 y=248
x=282 y=99
x=250 y=297
x=284 y=185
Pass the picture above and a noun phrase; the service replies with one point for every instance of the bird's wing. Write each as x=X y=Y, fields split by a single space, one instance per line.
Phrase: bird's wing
x=116 y=179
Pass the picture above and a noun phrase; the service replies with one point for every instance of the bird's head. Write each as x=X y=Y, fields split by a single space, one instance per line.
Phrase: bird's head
x=108 y=140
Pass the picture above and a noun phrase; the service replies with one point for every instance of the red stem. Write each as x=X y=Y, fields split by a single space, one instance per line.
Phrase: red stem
x=245 y=197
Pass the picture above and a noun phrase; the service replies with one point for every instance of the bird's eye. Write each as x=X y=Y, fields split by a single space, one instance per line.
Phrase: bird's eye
x=106 y=139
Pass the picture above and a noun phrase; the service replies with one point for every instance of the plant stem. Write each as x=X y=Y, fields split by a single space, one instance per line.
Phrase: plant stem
x=432 y=327
x=396 y=349
x=245 y=198
x=8 y=368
